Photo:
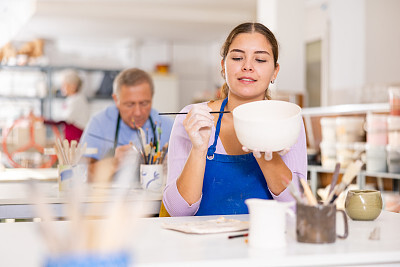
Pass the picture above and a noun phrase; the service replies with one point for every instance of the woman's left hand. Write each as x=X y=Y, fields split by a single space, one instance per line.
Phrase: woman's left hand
x=267 y=154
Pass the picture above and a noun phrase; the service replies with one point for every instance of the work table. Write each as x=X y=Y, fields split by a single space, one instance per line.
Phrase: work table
x=151 y=245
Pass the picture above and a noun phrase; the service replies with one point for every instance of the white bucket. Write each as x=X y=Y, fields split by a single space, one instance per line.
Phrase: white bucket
x=376 y=158
x=328 y=129
x=350 y=129
x=393 y=159
x=377 y=129
x=393 y=130
x=328 y=154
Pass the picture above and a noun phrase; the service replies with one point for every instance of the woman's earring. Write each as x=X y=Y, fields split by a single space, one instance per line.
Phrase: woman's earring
x=272 y=82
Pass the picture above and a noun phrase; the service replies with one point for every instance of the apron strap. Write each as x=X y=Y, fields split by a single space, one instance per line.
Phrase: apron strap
x=116 y=132
x=213 y=147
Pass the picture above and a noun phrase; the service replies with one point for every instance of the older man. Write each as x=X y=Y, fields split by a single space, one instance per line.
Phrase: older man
x=114 y=130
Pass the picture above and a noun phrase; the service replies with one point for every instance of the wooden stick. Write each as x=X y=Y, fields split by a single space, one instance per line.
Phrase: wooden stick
x=59 y=156
x=72 y=152
x=66 y=151
x=309 y=195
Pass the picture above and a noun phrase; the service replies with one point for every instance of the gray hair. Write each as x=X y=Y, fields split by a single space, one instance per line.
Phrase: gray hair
x=72 y=77
x=131 y=77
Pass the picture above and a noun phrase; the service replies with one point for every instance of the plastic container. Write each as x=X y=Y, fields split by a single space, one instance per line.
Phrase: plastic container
x=393 y=130
x=350 y=129
x=376 y=158
x=393 y=159
x=328 y=154
x=328 y=129
x=377 y=129
x=394 y=100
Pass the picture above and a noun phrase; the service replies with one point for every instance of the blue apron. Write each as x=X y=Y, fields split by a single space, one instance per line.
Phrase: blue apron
x=229 y=180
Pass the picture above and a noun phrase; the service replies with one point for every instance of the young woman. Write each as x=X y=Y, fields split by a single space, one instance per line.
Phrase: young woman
x=209 y=170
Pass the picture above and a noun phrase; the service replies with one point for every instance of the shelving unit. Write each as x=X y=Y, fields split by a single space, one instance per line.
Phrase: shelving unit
x=46 y=99
x=315 y=170
x=311 y=118
x=166 y=87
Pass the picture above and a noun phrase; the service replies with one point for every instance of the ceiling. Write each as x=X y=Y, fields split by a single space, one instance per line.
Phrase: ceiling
x=113 y=20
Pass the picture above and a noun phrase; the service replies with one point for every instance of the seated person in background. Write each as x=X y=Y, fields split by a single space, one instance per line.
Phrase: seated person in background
x=209 y=172
x=75 y=107
x=115 y=129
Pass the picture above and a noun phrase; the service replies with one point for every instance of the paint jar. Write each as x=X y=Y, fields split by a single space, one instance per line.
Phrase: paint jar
x=328 y=129
x=71 y=175
x=393 y=130
x=394 y=100
x=376 y=158
x=152 y=177
x=393 y=158
x=350 y=129
x=377 y=129
x=328 y=154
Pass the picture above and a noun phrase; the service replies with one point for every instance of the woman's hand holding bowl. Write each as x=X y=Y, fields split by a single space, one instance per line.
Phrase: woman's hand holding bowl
x=267 y=154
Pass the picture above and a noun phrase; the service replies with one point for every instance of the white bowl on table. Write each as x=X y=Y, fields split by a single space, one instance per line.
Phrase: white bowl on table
x=267 y=125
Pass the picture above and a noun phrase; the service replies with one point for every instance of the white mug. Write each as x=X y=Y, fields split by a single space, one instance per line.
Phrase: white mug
x=151 y=176
x=267 y=222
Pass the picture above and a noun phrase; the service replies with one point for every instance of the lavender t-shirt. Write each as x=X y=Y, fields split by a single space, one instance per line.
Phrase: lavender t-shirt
x=178 y=152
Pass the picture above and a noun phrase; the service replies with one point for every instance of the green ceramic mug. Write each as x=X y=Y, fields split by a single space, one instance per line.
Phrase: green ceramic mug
x=363 y=205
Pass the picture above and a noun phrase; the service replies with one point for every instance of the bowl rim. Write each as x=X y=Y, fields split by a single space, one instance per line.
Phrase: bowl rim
x=235 y=115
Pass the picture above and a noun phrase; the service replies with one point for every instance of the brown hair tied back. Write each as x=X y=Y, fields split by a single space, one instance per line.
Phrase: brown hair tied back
x=248 y=27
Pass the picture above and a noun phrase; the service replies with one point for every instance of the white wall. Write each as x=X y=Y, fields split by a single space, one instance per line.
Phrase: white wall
x=382 y=41
x=316 y=19
x=364 y=50
x=286 y=19
x=347 y=45
x=198 y=69
x=195 y=65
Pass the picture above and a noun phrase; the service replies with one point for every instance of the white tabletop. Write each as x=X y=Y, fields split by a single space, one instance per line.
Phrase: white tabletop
x=16 y=201
x=23 y=174
x=151 y=245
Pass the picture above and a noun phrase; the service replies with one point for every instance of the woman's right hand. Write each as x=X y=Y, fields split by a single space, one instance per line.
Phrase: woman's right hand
x=198 y=123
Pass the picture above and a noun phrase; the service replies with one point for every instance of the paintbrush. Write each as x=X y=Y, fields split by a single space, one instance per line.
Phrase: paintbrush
x=293 y=190
x=66 y=151
x=352 y=170
x=72 y=152
x=240 y=235
x=61 y=150
x=335 y=177
x=309 y=195
x=142 y=139
x=164 y=151
x=182 y=113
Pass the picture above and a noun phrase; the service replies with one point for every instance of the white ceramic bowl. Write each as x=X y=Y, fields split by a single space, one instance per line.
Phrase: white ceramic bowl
x=267 y=125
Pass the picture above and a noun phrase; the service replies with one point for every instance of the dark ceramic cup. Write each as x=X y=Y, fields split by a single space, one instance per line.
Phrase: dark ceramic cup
x=317 y=224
